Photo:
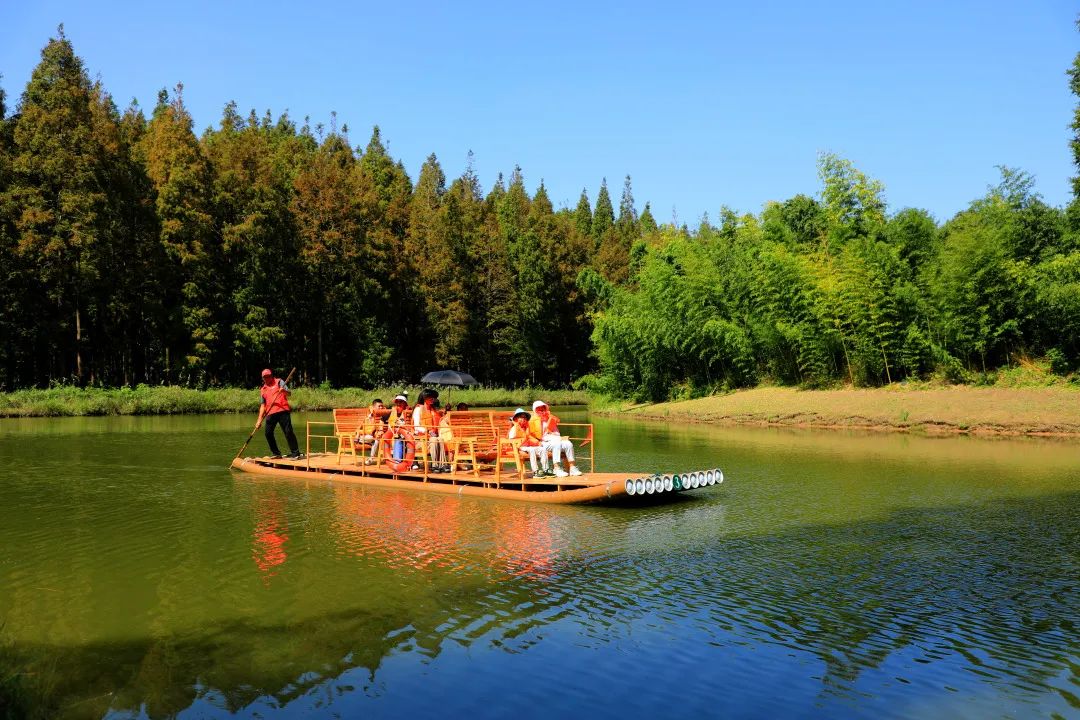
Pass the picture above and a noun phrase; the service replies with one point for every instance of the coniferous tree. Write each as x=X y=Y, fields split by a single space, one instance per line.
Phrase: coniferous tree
x=128 y=322
x=183 y=188
x=329 y=228
x=59 y=189
x=252 y=192
x=385 y=192
x=647 y=222
x=12 y=294
x=432 y=237
x=475 y=285
x=627 y=224
x=510 y=320
x=613 y=249
x=583 y=215
x=603 y=215
x=450 y=296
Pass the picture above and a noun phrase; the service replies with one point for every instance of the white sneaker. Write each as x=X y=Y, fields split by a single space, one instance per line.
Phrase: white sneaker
x=574 y=470
x=559 y=472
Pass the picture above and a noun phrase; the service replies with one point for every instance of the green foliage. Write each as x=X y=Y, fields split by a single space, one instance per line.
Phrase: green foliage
x=132 y=251
x=603 y=218
x=814 y=294
x=67 y=400
x=1074 y=143
x=851 y=200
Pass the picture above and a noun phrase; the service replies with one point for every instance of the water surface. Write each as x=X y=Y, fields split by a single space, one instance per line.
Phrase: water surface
x=832 y=575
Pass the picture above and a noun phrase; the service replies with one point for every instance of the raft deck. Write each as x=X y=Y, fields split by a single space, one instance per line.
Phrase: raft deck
x=479 y=437
x=586 y=488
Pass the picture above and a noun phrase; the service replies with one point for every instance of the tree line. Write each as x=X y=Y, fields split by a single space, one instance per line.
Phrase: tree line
x=134 y=251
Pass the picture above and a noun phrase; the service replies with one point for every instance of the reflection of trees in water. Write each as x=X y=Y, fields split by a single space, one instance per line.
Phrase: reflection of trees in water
x=988 y=593
x=231 y=664
x=438 y=569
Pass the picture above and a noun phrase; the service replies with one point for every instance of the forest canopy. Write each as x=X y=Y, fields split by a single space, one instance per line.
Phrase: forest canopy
x=134 y=251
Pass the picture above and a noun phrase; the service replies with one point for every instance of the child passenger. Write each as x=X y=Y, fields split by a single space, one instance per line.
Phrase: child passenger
x=371 y=430
x=531 y=446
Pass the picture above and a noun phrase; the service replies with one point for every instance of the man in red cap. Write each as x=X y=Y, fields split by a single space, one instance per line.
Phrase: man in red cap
x=274 y=406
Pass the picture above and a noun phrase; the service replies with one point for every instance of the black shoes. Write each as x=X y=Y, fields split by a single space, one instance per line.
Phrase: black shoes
x=296 y=456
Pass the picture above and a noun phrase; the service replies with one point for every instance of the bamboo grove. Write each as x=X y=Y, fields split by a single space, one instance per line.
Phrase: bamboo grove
x=133 y=251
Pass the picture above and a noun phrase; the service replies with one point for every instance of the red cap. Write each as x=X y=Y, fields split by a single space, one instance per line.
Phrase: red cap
x=268 y=373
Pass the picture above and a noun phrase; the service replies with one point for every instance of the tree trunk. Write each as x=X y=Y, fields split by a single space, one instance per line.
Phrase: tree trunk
x=78 y=344
x=322 y=375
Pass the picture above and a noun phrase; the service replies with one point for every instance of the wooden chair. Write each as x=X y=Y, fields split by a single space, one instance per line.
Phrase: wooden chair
x=509 y=452
x=463 y=449
x=475 y=426
x=348 y=422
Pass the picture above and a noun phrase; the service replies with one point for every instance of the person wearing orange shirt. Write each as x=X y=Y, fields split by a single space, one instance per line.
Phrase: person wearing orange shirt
x=426 y=427
x=398 y=425
x=531 y=446
x=274 y=408
x=545 y=426
x=371 y=430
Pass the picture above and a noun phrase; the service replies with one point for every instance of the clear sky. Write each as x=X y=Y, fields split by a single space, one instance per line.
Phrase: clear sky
x=703 y=104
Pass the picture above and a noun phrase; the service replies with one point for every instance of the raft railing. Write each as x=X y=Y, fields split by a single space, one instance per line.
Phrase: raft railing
x=479 y=435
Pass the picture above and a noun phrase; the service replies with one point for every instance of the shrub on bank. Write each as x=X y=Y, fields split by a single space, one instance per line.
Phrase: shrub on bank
x=66 y=400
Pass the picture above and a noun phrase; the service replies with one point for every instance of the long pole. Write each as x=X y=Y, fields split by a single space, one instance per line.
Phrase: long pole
x=244 y=446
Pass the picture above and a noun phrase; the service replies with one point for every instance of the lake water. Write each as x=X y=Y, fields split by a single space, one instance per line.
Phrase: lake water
x=833 y=575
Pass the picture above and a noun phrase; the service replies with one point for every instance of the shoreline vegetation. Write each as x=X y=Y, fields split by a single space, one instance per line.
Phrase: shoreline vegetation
x=71 y=401
x=926 y=409
x=947 y=410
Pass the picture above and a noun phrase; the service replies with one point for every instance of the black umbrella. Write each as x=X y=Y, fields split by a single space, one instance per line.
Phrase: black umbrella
x=449 y=378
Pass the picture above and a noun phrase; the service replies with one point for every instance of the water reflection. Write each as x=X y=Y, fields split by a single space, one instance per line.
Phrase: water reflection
x=271 y=534
x=410 y=530
x=903 y=585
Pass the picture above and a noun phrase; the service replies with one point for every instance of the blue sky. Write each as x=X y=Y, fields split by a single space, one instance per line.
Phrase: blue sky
x=702 y=104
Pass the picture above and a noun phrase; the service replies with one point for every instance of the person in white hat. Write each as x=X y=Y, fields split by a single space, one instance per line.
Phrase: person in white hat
x=530 y=444
x=545 y=426
x=397 y=424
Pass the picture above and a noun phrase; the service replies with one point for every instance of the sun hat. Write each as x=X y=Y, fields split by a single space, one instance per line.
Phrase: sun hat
x=267 y=372
x=518 y=412
x=539 y=404
x=402 y=398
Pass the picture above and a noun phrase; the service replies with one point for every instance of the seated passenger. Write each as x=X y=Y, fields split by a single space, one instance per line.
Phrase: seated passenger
x=399 y=425
x=530 y=447
x=545 y=426
x=372 y=428
x=426 y=428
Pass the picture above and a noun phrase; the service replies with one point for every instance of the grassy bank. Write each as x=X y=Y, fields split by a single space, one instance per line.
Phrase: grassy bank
x=952 y=409
x=161 y=400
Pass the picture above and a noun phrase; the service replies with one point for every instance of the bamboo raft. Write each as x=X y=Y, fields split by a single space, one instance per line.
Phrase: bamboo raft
x=480 y=453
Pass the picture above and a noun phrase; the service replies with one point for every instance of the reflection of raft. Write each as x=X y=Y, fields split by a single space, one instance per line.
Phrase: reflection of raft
x=483 y=477
x=592 y=487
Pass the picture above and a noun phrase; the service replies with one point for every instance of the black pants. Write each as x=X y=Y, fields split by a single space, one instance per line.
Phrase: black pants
x=285 y=420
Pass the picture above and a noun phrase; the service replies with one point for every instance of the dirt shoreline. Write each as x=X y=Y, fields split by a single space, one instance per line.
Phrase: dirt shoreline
x=1036 y=412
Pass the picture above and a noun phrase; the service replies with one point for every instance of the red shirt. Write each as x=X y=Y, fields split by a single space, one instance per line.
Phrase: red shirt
x=275 y=396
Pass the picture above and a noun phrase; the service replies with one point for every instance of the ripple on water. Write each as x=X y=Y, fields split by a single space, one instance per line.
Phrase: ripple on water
x=280 y=590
